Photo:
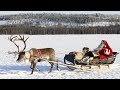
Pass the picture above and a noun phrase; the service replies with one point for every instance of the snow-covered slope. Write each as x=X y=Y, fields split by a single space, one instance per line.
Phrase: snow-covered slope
x=52 y=20
x=44 y=23
x=10 y=69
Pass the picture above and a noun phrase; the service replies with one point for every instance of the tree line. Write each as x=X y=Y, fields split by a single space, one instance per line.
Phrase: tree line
x=33 y=30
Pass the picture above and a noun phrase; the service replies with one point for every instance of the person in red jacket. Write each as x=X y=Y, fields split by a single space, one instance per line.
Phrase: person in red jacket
x=106 y=51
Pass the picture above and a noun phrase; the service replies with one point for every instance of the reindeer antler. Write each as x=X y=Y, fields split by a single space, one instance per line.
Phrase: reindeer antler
x=24 y=41
x=13 y=39
x=16 y=38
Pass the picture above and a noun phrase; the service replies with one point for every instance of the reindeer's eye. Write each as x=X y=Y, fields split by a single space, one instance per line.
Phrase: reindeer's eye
x=23 y=52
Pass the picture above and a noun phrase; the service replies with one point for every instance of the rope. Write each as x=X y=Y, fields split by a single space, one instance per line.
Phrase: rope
x=55 y=62
x=61 y=52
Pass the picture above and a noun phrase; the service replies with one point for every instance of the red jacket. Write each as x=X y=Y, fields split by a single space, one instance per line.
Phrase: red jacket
x=106 y=51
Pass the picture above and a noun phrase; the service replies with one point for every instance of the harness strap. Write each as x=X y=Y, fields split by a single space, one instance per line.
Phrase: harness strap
x=37 y=53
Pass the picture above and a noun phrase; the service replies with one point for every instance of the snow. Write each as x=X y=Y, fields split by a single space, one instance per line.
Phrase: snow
x=10 y=69
x=93 y=24
x=45 y=23
x=3 y=22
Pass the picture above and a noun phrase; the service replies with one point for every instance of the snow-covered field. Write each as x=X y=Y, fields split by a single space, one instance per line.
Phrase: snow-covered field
x=10 y=69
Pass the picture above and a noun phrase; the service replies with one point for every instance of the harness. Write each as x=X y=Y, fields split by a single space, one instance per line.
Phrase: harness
x=38 y=53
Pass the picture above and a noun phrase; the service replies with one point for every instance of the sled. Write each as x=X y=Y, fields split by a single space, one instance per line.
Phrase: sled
x=69 y=59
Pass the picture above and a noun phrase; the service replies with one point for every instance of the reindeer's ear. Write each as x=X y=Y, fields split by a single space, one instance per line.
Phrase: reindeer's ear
x=27 y=55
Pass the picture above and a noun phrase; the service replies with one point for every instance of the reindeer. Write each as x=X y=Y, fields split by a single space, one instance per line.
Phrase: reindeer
x=34 y=55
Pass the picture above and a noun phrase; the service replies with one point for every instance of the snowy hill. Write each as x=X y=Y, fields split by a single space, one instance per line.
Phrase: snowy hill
x=52 y=19
x=10 y=69
x=44 y=23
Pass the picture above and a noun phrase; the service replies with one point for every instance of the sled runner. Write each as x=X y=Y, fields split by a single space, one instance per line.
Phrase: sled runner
x=69 y=59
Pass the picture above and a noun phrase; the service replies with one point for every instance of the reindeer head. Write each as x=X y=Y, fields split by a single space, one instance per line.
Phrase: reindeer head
x=21 y=54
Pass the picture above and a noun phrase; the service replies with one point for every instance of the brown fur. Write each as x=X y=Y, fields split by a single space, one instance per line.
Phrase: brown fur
x=46 y=53
x=79 y=55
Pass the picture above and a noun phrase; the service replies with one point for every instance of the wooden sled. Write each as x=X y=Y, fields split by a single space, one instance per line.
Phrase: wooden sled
x=69 y=59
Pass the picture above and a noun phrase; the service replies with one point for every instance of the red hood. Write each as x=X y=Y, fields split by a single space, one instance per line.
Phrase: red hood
x=102 y=55
x=106 y=43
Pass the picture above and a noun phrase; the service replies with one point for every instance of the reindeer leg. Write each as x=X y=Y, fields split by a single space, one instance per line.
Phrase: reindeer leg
x=58 y=68
x=37 y=60
x=36 y=69
x=51 y=67
x=31 y=66
x=34 y=65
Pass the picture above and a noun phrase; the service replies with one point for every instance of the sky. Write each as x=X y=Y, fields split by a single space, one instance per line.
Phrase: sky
x=65 y=12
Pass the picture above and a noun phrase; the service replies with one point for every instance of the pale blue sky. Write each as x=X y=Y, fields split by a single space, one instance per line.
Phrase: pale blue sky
x=65 y=12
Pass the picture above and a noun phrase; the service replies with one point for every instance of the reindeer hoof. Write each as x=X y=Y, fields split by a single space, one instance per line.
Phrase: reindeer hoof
x=59 y=69
x=31 y=73
x=49 y=72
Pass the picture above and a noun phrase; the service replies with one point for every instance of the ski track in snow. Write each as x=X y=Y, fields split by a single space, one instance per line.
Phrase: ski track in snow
x=10 y=69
